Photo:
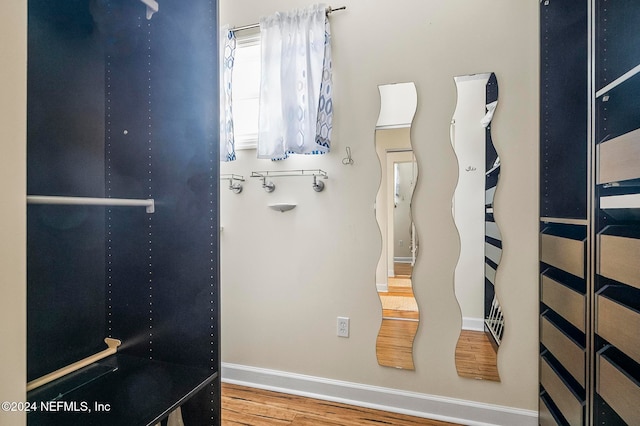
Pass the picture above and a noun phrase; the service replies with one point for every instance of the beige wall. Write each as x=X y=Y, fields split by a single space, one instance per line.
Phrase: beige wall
x=13 y=51
x=287 y=276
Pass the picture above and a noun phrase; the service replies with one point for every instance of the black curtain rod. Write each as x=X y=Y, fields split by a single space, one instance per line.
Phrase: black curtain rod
x=248 y=27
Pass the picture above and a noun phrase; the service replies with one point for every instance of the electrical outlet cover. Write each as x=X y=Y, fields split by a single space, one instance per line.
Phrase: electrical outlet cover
x=343 y=327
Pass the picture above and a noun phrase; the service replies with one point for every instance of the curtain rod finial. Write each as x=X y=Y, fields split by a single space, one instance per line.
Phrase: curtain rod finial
x=330 y=9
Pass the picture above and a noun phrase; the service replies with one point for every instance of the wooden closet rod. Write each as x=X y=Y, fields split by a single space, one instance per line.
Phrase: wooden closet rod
x=112 y=349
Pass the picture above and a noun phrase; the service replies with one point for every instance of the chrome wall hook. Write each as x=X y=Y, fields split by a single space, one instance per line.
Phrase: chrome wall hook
x=268 y=186
x=318 y=186
x=236 y=188
x=348 y=161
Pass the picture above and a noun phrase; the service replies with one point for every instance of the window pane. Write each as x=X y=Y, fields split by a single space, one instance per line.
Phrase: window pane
x=245 y=116
x=246 y=92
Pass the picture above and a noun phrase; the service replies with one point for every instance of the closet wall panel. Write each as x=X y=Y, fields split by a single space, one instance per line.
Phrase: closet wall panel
x=564 y=176
x=597 y=311
x=616 y=349
x=563 y=29
x=121 y=106
x=563 y=210
x=65 y=57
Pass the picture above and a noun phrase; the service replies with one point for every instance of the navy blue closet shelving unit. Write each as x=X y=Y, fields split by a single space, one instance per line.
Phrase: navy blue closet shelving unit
x=590 y=212
x=124 y=107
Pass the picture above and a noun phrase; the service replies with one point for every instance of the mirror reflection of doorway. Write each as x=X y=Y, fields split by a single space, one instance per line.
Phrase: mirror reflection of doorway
x=400 y=314
x=399 y=172
x=404 y=240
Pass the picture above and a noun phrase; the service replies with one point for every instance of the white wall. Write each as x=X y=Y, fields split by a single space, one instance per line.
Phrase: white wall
x=287 y=276
x=13 y=358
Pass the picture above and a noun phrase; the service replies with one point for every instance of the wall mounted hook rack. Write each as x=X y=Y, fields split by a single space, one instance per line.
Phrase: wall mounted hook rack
x=270 y=186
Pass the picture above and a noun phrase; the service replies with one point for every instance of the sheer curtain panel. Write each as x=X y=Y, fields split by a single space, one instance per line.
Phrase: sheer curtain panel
x=227 y=57
x=296 y=108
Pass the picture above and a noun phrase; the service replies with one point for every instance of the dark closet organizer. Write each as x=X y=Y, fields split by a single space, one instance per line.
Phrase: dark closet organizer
x=124 y=107
x=590 y=212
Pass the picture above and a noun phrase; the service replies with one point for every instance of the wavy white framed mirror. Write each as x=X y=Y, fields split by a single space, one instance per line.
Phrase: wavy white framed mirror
x=480 y=239
x=394 y=274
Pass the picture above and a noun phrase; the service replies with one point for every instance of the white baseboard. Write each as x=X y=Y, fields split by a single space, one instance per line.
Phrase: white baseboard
x=402 y=259
x=382 y=287
x=397 y=401
x=475 y=324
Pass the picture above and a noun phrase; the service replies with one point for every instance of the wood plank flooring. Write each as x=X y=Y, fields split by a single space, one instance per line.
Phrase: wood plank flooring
x=400 y=316
x=400 y=268
x=255 y=407
x=394 y=345
x=475 y=356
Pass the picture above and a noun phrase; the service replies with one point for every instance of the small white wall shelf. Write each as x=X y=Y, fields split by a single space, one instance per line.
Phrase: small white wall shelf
x=269 y=186
x=149 y=204
x=282 y=207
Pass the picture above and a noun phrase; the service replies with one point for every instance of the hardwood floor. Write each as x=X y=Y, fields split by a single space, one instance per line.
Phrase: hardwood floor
x=255 y=407
x=402 y=269
x=400 y=316
x=398 y=301
x=394 y=345
x=475 y=356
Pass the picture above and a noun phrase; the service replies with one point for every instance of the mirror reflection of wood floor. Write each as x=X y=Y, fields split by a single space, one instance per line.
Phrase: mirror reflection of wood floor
x=255 y=407
x=475 y=356
x=400 y=316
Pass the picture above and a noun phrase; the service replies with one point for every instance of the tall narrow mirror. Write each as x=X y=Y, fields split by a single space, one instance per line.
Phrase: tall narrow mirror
x=480 y=240
x=399 y=171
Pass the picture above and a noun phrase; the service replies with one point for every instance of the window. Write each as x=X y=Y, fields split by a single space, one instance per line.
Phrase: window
x=246 y=91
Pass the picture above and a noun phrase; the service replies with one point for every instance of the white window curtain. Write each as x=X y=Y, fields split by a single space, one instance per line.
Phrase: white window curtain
x=296 y=108
x=227 y=57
